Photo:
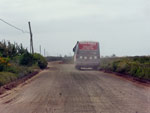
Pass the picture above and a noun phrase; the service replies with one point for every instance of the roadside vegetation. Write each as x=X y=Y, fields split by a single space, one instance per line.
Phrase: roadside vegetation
x=138 y=66
x=16 y=62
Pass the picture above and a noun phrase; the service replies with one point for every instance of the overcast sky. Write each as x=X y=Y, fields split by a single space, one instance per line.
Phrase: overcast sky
x=122 y=27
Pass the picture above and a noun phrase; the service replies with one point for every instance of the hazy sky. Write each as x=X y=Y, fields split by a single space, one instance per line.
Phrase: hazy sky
x=121 y=26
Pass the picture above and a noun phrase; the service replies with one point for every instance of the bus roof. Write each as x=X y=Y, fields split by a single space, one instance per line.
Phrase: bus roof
x=87 y=42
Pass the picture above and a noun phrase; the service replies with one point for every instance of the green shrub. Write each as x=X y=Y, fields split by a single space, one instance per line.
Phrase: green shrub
x=142 y=59
x=139 y=72
x=147 y=73
x=7 y=49
x=26 y=59
x=109 y=67
x=135 y=66
x=41 y=61
x=29 y=60
x=115 y=65
x=16 y=62
x=12 y=69
x=123 y=67
x=6 y=77
x=4 y=63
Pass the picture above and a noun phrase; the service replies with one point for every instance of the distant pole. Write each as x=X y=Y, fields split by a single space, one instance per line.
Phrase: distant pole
x=31 y=40
x=44 y=52
x=40 y=49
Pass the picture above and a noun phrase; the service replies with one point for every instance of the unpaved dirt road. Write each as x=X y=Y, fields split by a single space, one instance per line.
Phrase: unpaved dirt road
x=62 y=89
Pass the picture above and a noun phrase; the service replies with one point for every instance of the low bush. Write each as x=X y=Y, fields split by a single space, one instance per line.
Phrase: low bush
x=122 y=67
x=6 y=77
x=16 y=62
x=142 y=59
x=135 y=66
x=26 y=59
x=31 y=59
x=4 y=63
x=40 y=60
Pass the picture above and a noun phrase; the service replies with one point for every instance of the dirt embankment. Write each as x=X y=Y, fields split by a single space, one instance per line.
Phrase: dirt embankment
x=15 y=83
x=129 y=77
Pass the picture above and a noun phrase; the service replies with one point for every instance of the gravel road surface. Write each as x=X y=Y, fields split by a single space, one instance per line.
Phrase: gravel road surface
x=63 y=89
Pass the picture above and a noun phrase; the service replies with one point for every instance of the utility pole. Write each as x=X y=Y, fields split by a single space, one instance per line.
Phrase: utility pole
x=31 y=40
x=44 y=52
x=40 y=49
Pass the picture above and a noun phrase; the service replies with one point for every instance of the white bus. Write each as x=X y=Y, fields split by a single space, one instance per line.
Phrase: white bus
x=86 y=54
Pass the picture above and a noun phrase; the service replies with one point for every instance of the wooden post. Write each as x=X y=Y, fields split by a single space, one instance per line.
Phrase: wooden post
x=31 y=40
x=40 y=49
x=44 y=53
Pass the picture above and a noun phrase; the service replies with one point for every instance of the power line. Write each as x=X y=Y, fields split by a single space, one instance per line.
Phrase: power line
x=23 y=31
